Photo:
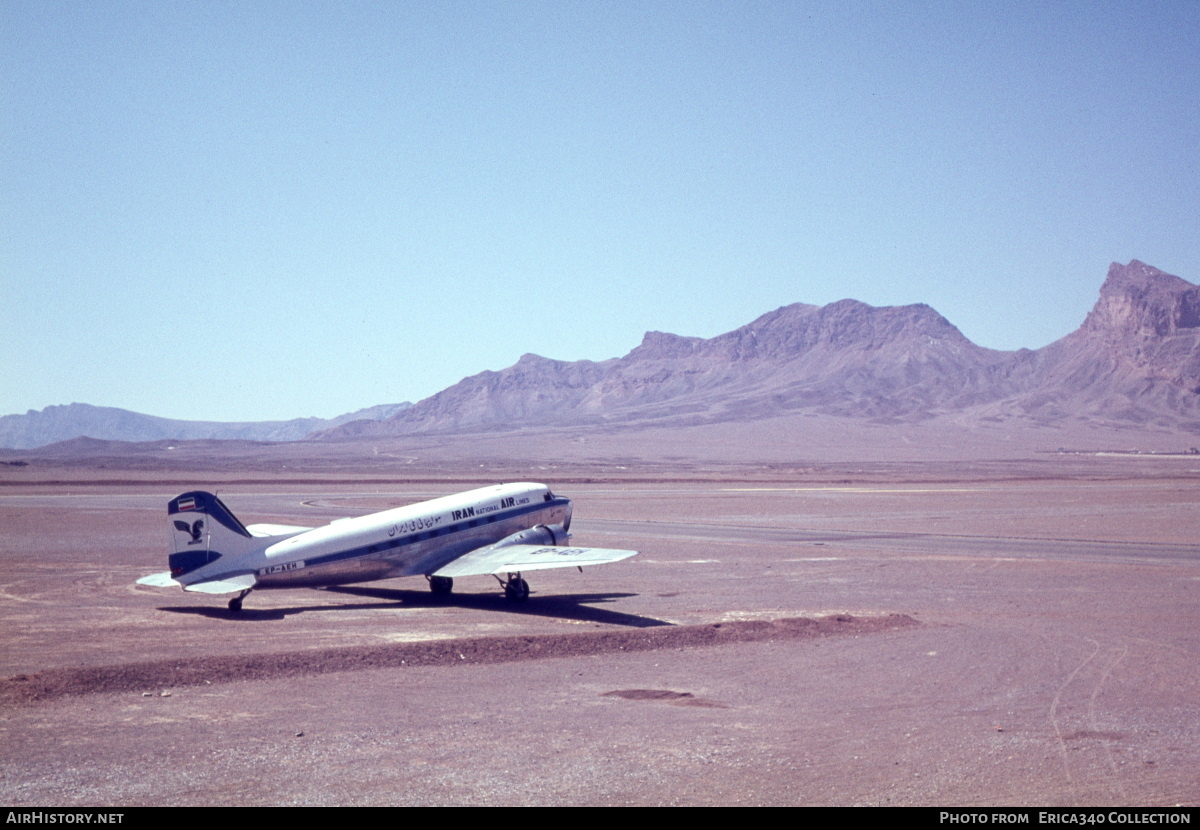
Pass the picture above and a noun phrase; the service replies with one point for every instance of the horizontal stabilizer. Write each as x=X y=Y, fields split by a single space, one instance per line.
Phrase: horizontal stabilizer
x=276 y=530
x=159 y=580
x=516 y=558
x=229 y=585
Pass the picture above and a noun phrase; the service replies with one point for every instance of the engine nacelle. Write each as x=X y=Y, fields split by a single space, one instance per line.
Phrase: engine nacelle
x=536 y=535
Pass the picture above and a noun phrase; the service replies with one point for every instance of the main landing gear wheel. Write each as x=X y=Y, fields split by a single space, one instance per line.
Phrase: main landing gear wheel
x=441 y=585
x=516 y=589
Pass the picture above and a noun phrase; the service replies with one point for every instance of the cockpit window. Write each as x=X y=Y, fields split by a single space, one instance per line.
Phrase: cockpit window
x=549 y=496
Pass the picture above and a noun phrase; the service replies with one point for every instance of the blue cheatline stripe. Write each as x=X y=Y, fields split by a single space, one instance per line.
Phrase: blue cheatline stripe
x=184 y=562
x=401 y=541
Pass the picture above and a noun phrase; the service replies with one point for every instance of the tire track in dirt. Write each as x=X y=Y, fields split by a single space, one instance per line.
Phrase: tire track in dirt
x=1055 y=721
x=1092 y=734
x=161 y=674
x=1094 y=720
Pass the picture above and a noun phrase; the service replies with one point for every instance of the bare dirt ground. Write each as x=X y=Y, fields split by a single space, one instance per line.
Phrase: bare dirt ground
x=1005 y=635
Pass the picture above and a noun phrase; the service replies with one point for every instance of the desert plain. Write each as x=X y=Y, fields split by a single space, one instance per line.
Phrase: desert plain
x=1018 y=631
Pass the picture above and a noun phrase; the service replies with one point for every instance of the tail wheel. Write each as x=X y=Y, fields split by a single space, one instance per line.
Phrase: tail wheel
x=235 y=604
x=516 y=589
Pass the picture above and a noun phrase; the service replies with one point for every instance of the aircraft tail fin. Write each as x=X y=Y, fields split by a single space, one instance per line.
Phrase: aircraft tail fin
x=202 y=531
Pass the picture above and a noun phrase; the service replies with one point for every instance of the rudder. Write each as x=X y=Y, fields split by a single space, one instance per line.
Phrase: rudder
x=202 y=530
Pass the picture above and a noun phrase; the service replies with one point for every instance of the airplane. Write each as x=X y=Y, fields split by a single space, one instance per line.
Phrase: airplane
x=501 y=529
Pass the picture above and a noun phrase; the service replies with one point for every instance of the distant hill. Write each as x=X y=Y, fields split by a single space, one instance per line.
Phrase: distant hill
x=1134 y=361
x=38 y=428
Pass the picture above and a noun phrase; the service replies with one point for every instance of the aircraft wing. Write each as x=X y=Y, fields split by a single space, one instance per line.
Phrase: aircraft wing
x=516 y=558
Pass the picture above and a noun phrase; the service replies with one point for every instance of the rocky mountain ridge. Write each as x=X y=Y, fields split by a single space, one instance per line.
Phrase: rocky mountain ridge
x=1134 y=360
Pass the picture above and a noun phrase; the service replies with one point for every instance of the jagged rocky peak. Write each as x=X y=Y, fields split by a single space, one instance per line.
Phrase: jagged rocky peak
x=1138 y=299
x=794 y=329
x=846 y=324
x=871 y=326
x=661 y=345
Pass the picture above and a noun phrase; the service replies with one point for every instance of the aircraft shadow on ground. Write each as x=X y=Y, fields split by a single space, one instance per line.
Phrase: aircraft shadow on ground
x=563 y=606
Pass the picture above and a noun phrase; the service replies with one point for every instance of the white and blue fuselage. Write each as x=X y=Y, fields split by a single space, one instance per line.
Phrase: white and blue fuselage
x=414 y=540
x=505 y=528
x=405 y=541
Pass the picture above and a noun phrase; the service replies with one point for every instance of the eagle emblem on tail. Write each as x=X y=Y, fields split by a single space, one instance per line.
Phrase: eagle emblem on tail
x=193 y=529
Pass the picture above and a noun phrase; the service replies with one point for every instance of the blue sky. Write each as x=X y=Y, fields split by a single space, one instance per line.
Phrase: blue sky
x=243 y=211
